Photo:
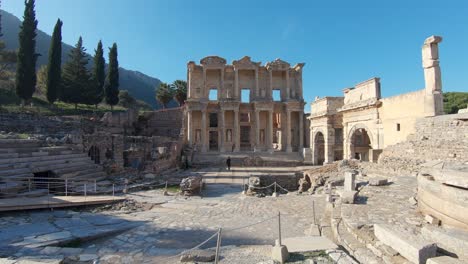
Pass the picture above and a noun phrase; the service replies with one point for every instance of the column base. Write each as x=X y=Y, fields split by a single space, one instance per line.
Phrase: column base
x=289 y=149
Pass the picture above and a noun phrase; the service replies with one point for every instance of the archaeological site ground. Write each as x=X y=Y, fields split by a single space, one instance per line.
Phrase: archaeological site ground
x=237 y=163
x=361 y=179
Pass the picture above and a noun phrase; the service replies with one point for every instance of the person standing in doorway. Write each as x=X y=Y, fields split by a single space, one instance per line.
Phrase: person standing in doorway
x=228 y=163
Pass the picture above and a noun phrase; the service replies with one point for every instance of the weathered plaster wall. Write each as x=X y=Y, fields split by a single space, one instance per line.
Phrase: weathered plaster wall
x=404 y=110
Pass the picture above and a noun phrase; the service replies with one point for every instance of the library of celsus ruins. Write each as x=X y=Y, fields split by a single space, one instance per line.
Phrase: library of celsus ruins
x=245 y=106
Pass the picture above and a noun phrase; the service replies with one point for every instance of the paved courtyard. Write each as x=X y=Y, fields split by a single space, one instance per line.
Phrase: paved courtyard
x=167 y=226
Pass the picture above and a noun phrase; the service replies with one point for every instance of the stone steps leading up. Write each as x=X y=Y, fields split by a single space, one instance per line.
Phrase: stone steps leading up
x=44 y=157
x=20 y=159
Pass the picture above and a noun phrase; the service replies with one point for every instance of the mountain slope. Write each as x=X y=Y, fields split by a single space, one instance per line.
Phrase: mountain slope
x=139 y=85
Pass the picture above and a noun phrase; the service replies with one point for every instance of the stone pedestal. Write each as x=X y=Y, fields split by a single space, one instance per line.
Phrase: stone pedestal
x=350 y=181
x=279 y=254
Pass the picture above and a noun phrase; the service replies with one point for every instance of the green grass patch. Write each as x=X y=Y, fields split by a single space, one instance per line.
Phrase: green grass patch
x=40 y=106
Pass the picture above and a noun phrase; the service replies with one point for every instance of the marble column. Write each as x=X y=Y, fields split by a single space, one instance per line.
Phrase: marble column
x=270 y=131
x=287 y=84
x=222 y=132
x=204 y=129
x=205 y=91
x=189 y=82
x=288 y=131
x=221 y=88
x=270 y=93
x=257 y=88
x=301 y=130
x=189 y=127
x=257 y=130
x=236 y=84
x=236 y=136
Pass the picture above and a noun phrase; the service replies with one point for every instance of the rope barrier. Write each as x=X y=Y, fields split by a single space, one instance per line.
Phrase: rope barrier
x=196 y=247
x=249 y=225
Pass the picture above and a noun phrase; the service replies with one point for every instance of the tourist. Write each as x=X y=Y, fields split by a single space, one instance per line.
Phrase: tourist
x=228 y=163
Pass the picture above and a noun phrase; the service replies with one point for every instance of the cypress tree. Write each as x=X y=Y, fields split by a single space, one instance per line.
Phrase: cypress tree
x=112 y=79
x=54 y=67
x=1 y=35
x=27 y=57
x=99 y=74
x=75 y=76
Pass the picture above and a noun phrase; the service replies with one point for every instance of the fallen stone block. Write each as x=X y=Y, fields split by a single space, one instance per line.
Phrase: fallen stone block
x=198 y=255
x=451 y=240
x=348 y=197
x=431 y=220
x=308 y=243
x=414 y=248
x=444 y=260
x=378 y=181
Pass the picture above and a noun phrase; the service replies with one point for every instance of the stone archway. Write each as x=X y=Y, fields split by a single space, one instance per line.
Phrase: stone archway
x=319 y=148
x=360 y=144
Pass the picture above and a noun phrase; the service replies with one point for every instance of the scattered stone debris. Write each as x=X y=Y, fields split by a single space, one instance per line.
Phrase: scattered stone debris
x=198 y=255
x=191 y=185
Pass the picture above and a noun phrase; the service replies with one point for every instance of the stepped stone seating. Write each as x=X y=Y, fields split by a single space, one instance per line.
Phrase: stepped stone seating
x=21 y=159
x=248 y=159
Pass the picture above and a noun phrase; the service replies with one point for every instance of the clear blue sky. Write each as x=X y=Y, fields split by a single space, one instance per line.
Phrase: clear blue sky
x=341 y=42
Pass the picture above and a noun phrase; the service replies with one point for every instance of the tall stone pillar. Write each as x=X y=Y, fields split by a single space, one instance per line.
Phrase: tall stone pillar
x=257 y=130
x=189 y=127
x=257 y=88
x=221 y=89
x=301 y=131
x=205 y=91
x=288 y=131
x=236 y=83
x=236 y=136
x=433 y=104
x=222 y=132
x=270 y=131
x=189 y=82
x=204 y=129
x=329 y=143
x=270 y=92
x=287 y=84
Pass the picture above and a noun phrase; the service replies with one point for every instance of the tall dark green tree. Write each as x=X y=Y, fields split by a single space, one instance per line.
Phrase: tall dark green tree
x=1 y=35
x=27 y=56
x=75 y=76
x=54 y=67
x=112 y=79
x=98 y=74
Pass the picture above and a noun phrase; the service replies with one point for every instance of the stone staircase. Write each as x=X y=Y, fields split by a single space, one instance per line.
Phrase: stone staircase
x=249 y=159
x=25 y=162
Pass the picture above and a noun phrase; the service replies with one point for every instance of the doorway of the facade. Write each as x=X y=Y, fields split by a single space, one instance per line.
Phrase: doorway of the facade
x=245 y=138
x=213 y=140
x=361 y=145
x=319 y=148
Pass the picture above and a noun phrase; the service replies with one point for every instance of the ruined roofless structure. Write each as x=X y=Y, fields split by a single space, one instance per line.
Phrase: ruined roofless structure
x=361 y=123
x=244 y=106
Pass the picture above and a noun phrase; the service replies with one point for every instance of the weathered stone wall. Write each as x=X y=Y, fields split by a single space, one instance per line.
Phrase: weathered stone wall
x=443 y=138
x=46 y=125
x=165 y=122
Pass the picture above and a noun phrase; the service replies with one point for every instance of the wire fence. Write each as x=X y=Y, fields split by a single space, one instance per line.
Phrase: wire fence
x=36 y=186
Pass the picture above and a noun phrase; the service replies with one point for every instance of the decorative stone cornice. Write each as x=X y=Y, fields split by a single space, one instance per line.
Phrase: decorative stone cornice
x=277 y=65
x=369 y=103
x=245 y=63
x=213 y=61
